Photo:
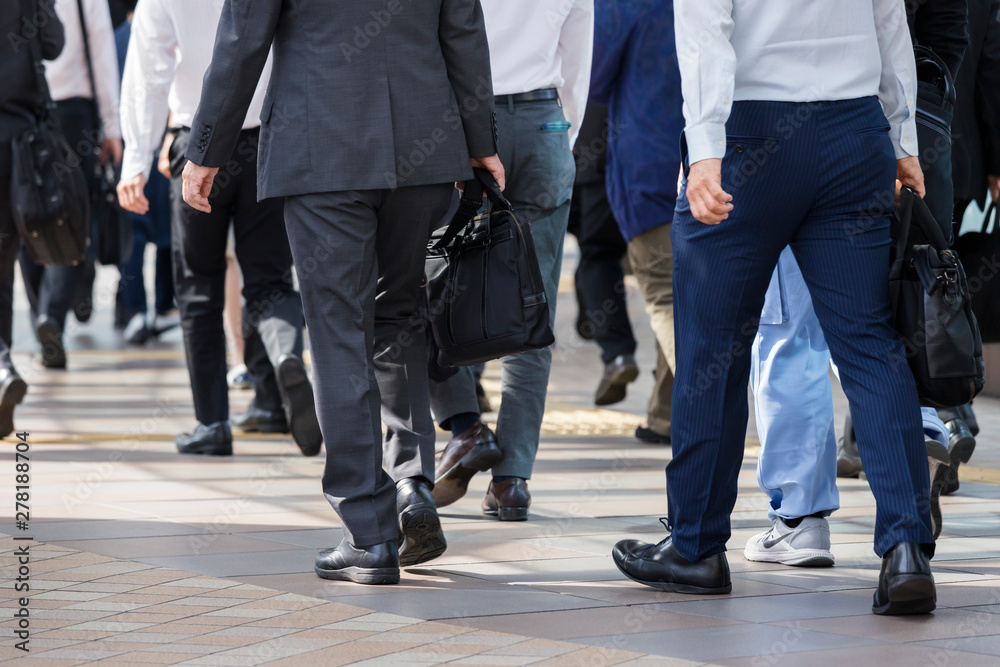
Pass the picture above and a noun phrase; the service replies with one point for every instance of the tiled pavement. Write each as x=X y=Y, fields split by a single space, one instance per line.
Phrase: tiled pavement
x=145 y=557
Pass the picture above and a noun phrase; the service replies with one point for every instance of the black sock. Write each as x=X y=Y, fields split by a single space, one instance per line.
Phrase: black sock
x=460 y=423
x=794 y=523
x=504 y=478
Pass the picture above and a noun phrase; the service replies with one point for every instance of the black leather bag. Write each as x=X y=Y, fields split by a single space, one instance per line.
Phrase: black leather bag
x=114 y=228
x=115 y=236
x=50 y=200
x=485 y=294
x=932 y=308
x=980 y=251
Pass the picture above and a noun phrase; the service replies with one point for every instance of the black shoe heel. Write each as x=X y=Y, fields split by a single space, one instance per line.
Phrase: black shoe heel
x=422 y=537
x=909 y=594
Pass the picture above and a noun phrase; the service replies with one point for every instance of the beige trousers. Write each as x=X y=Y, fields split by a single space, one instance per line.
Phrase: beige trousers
x=652 y=262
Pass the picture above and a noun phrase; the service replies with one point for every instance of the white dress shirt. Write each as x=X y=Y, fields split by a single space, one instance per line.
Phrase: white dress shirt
x=538 y=44
x=67 y=74
x=169 y=51
x=792 y=51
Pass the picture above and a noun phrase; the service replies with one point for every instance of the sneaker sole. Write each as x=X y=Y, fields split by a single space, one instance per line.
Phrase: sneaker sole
x=423 y=539
x=616 y=392
x=362 y=575
x=454 y=484
x=908 y=594
x=797 y=558
x=300 y=406
x=678 y=588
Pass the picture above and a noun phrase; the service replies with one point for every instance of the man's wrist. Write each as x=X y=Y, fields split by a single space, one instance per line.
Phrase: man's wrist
x=705 y=141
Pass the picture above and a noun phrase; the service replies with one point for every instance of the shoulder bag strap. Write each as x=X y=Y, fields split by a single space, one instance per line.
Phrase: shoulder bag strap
x=90 y=64
x=48 y=111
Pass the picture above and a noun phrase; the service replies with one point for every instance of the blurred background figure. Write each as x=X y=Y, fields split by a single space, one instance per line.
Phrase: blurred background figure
x=22 y=100
x=131 y=303
x=170 y=51
x=239 y=376
x=635 y=73
x=600 y=277
x=90 y=123
x=976 y=174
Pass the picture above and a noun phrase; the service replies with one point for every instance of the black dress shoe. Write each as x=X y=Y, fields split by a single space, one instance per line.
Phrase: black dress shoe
x=300 y=404
x=905 y=584
x=53 y=353
x=474 y=450
x=420 y=535
x=961 y=444
x=258 y=420
x=660 y=566
x=12 y=391
x=214 y=440
x=618 y=373
x=651 y=437
x=377 y=564
x=508 y=500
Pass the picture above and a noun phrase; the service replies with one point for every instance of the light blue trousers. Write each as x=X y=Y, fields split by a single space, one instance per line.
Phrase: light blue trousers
x=797 y=468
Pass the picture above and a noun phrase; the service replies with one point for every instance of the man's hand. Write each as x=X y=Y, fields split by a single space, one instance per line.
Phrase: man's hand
x=198 y=185
x=909 y=173
x=131 y=195
x=709 y=203
x=994 y=183
x=111 y=151
x=492 y=164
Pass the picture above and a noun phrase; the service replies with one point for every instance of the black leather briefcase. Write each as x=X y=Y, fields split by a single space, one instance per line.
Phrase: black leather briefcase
x=485 y=294
x=932 y=308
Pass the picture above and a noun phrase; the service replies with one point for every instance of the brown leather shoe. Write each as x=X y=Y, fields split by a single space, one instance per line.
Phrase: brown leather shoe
x=508 y=500
x=475 y=450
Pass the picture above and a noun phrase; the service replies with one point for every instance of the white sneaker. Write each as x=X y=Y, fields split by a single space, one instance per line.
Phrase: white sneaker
x=806 y=545
x=239 y=378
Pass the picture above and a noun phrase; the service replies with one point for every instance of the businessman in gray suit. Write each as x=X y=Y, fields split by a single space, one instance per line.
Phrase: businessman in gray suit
x=373 y=111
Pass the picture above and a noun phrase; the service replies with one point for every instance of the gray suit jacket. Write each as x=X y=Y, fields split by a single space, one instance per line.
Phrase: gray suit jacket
x=364 y=94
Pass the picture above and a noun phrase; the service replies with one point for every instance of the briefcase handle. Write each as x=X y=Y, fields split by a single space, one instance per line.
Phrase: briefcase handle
x=472 y=201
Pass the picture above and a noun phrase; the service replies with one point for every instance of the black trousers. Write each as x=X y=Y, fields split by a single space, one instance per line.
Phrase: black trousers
x=10 y=242
x=599 y=275
x=53 y=290
x=360 y=257
x=272 y=316
x=600 y=280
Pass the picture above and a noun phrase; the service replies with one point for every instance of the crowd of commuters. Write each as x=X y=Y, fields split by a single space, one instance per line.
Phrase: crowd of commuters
x=288 y=161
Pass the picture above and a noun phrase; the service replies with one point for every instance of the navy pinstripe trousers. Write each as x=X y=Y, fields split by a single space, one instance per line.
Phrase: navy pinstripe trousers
x=819 y=177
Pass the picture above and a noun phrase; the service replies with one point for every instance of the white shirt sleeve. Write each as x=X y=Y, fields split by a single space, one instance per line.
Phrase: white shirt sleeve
x=149 y=73
x=708 y=73
x=898 y=85
x=576 y=49
x=104 y=56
